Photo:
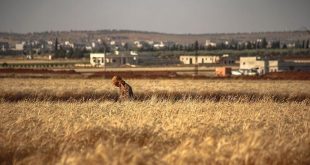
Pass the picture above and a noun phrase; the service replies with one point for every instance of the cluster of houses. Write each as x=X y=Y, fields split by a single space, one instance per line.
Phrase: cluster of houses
x=247 y=65
x=256 y=65
x=47 y=46
x=124 y=53
x=42 y=46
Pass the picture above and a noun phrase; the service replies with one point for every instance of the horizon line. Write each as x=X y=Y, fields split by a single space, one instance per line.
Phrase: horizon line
x=155 y=32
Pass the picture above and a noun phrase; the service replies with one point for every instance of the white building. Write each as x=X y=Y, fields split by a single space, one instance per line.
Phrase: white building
x=262 y=66
x=210 y=44
x=93 y=44
x=253 y=64
x=134 y=53
x=206 y=59
x=20 y=46
x=89 y=48
x=138 y=44
x=101 y=59
x=159 y=45
x=50 y=42
x=112 y=42
x=69 y=44
x=124 y=58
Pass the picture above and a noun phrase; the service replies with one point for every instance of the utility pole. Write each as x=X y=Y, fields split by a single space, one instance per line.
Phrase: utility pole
x=196 y=59
x=56 y=48
x=105 y=62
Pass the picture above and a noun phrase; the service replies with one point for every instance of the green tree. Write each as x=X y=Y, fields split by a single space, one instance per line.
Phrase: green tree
x=264 y=43
x=196 y=46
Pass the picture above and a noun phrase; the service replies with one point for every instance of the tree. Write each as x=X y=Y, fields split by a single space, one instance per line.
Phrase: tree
x=275 y=44
x=303 y=45
x=248 y=45
x=196 y=46
x=56 y=48
x=61 y=52
x=264 y=43
x=126 y=46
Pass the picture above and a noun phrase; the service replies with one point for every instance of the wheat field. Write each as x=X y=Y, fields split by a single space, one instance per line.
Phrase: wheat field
x=77 y=121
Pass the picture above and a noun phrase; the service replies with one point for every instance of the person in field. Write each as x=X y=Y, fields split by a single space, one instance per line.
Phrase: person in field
x=125 y=90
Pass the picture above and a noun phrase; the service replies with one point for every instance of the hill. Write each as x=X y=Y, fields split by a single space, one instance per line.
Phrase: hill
x=126 y=35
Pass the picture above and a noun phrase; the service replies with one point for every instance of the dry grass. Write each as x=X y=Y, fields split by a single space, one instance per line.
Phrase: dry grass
x=144 y=85
x=154 y=131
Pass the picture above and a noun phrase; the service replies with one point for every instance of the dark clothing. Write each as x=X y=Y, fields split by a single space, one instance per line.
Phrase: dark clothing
x=125 y=92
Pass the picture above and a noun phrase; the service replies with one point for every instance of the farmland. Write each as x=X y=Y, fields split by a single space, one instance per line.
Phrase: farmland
x=77 y=121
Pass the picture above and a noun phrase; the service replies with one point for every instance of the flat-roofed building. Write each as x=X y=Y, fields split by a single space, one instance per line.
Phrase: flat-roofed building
x=127 y=58
x=263 y=65
x=201 y=59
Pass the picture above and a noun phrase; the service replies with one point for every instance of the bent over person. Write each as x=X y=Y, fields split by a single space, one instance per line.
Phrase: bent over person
x=125 y=89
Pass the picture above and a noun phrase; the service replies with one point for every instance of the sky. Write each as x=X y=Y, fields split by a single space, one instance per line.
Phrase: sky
x=167 y=16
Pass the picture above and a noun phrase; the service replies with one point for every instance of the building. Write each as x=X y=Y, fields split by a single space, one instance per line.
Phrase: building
x=227 y=59
x=289 y=65
x=123 y=58
x=159 y=45
x=20 y=47
x=261 y=66
x=223 y=71
x=102 y=59
x=205 y=59
x=138 y=44
x=253 y=65
x=210 y=44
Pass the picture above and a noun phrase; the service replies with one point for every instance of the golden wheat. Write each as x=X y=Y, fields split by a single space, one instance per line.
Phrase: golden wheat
x=154 y=131
x=145 y=85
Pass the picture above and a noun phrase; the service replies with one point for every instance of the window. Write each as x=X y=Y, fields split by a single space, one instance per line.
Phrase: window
x=243 y=63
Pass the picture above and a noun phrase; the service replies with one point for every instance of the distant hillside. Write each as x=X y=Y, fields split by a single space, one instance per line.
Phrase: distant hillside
x=125 y=35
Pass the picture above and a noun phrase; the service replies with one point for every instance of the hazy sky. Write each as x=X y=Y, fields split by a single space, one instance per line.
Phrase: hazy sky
x=170 y=16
